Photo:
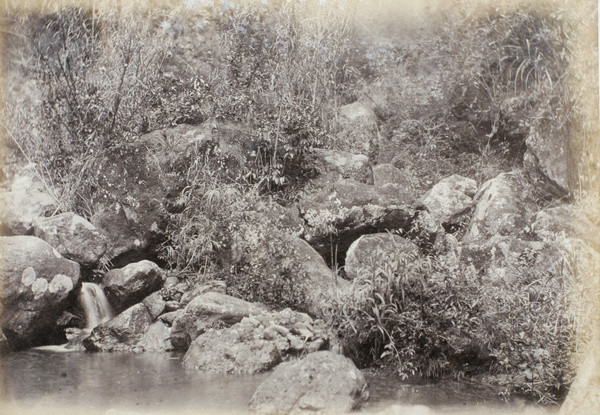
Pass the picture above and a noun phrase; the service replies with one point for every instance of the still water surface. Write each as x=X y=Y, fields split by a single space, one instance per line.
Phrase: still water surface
x=41 y=381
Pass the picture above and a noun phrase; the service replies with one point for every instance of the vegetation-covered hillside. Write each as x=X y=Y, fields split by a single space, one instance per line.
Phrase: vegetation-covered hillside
x=467 y=88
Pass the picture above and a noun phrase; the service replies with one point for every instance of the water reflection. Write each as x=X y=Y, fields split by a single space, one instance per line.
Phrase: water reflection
x=147 y=381
x=36 y=381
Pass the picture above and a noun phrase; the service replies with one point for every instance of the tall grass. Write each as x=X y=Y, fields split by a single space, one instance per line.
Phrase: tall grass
x=96 y=72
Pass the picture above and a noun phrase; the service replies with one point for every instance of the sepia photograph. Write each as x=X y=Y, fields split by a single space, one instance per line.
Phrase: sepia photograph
x=378 y=207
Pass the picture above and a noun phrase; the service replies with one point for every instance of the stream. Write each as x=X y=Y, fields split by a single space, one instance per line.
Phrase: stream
x=45 y=381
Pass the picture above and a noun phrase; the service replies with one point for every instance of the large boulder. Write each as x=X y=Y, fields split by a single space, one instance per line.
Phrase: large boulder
x=73 y=236
x=209 y=310
x=139 y=184
x=340 y=212
x=256 y=343
x=277 y=268
x=320 y=382
x=130 y=285
x=120 y=333
x=38 y=284
x=501 y=208
x=372 y=252
x=319 y=283
x=449 y=199
x=508 y=258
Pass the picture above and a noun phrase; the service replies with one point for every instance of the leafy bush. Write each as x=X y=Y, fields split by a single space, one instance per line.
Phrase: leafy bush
x=438 y=315
x=466 y=104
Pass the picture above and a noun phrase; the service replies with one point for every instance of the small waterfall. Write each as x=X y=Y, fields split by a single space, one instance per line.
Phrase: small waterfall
x=95 y=305
x=97 y=311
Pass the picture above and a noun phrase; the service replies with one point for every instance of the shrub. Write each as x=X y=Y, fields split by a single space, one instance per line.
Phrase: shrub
x=438 y=315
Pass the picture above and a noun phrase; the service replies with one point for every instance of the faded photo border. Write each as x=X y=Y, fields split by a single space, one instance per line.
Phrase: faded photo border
x=584 y=148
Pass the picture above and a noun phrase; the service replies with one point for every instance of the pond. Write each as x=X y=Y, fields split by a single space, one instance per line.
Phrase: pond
x=43 y=381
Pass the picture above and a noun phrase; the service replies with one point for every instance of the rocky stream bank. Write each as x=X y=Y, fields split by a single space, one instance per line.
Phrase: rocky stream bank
x=351 y=213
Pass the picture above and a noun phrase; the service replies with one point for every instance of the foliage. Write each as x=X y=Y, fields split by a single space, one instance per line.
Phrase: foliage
x=283 y=75
x=96 y=73
x=219 y=223
x=435 y=315
x=459 y=98
x=466 y=104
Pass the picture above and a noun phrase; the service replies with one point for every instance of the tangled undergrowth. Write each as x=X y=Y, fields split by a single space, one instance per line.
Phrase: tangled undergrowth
x=435 y=316
x=456 y=96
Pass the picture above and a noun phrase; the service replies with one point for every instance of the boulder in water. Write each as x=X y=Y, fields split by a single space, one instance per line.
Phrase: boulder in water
x=209 y=310
x=121 y=333
x=127 y=286
x=38 y=284
x=73 y=236
x=320 y=382
x=156 y=338
x=256 y=343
